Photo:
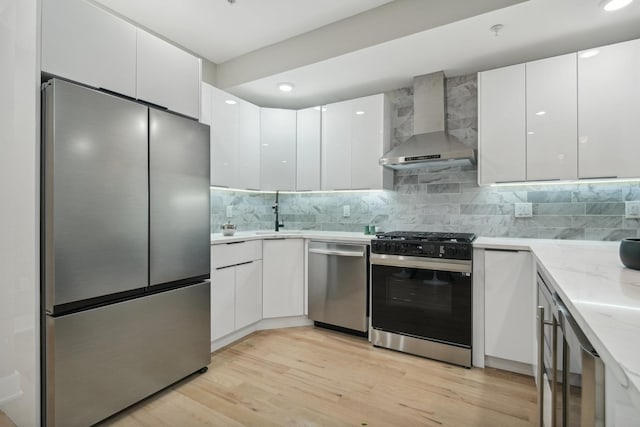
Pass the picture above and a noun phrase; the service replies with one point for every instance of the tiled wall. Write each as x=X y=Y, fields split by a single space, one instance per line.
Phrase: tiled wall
x=445 y=198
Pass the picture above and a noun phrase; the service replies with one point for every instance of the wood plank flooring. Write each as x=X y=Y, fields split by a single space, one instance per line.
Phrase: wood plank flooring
x=5 y=421
x=313 y=377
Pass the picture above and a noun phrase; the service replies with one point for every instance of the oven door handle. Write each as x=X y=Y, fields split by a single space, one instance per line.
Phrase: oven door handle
x=451 y=265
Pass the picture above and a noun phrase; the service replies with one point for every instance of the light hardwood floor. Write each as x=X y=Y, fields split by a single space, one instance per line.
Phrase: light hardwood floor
x=5 y=421
x=314 y=377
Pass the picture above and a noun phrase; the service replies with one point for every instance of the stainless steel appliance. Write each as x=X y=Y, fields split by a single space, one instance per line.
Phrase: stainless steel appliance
x=421 y=286
x=125 y=252
x=338 y=278
x=570 y=374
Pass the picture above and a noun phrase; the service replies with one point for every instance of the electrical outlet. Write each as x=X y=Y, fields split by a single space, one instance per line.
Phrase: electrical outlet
x=632 y=209
x=346 y=211
x=523 y=210
x=229 y=211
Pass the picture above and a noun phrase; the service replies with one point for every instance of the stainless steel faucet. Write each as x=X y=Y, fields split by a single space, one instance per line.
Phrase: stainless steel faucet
x=275 y=210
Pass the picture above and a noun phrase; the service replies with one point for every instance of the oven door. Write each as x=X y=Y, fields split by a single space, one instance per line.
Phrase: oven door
x=422 y=297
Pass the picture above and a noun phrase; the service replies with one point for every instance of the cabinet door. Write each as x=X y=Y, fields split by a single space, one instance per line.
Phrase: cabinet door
x=248 y=170
x=308 y=149
x=282 y=278
x=369 y=141
x=248 y=293
x=206 y=101
x=608 y=111
x=336 y=146
x=222 y=302
x=86 y=44
x=552 y=118
x=225 y=116
x=278 y=149
x=509 y=305
x=501 y=120
x=167 y=76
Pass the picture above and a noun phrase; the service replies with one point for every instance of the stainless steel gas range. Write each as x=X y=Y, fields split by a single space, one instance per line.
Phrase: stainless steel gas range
x=421 y=287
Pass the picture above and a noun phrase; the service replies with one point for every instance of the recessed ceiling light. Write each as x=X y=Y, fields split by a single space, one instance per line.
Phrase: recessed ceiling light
x=611 y=5
x=541 y=113
x=589 y=53
x=285 y=87
x=359 y=113
x=230 y=102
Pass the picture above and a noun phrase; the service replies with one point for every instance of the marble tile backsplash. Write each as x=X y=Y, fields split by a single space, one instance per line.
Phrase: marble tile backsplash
x=444 y=198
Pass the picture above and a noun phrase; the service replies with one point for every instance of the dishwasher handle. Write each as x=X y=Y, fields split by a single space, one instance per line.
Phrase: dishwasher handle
x=358 y=254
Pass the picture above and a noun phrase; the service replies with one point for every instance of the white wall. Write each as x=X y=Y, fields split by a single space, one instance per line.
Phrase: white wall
x=19 y=234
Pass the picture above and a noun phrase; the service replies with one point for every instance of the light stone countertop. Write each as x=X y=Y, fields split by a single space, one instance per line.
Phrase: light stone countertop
x=600 y=292
x=334 y=236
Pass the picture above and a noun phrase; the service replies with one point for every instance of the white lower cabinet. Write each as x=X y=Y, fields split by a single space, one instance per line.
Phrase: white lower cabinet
x=509 y=305
x=223 y=297
x=236 y=287
x=248 y=293
x=282 y=278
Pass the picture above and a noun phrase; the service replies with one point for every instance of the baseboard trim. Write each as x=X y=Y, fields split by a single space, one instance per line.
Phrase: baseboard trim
x=264 y=324
x=508 y=365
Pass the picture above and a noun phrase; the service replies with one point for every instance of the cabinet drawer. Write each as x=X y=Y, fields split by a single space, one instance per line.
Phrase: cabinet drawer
x=226 y=254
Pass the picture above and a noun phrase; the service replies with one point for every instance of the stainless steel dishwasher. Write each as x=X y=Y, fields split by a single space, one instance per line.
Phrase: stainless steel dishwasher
x=338 y=278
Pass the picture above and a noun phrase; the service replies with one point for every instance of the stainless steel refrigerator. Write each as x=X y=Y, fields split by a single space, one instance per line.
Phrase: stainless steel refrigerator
x=125 y=252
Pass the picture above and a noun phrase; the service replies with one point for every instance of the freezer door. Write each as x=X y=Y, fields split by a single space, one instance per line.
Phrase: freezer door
x=95 y=206
x=99 y=361
x=179 y=188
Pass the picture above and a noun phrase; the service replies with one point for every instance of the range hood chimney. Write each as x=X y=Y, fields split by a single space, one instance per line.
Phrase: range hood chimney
x=430 y=142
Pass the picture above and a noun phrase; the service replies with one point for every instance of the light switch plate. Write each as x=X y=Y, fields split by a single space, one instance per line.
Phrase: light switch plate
x=229 y=211
x=632 y=209
x=346 y=211
x=523 y=210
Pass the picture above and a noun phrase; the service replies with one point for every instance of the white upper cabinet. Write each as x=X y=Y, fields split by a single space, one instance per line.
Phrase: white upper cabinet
x=225 y=128
x=278 y=149
x=355 y=134
x=608 y=111
x=501 y=121
x=369 y=141
x=336 y=146
x=206 y=102
x=248 y=170
x=308 y=149
x=83 y=43
x=167 y=76
x=235 y=139
x=552 y=118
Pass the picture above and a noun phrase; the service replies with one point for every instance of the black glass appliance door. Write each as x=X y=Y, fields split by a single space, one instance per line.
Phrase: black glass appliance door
x=425 y=303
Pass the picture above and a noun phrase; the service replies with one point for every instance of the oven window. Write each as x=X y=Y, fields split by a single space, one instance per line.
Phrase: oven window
x=425 y=303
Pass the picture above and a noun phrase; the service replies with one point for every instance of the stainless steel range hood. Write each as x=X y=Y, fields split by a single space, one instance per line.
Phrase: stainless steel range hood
x=430 y=142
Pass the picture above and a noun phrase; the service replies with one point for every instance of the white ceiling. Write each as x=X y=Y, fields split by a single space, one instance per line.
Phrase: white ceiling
x=219 y=31
x=533 y=29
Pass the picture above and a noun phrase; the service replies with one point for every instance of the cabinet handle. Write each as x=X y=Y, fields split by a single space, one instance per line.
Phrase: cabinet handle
x=235 y=243
x=540 y=318
x=234 y=265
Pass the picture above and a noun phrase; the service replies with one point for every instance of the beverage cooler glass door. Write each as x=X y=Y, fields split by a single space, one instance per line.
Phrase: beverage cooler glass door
x=424 y=303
